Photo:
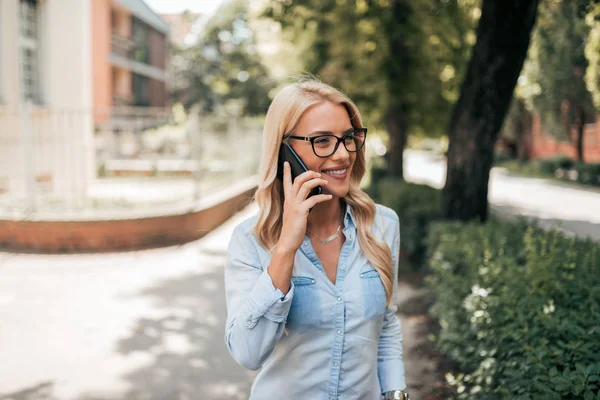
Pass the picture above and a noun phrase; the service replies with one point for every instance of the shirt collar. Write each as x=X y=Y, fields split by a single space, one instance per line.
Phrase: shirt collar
x=349 y=217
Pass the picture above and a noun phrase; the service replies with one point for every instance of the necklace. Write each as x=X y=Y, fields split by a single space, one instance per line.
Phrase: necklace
x=327 y=239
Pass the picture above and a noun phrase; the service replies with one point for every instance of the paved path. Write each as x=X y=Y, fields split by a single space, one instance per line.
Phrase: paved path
x=136 y=325
x=572 y=208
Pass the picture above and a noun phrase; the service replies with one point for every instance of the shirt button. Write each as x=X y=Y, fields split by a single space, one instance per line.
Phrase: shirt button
x=362 y=275
x=343 y=266
x=305 y=244
x=312 y=281
x=335 y=363
x=339 y=299
x=339 y=332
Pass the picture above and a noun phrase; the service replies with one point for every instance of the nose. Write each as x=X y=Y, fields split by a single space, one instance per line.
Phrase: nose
x=340 y=153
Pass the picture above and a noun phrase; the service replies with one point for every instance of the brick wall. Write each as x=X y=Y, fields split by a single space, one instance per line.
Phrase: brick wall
x=543 y=145
x=118 y=235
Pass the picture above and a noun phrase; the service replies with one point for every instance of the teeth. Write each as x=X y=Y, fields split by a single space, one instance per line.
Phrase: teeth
x=336 y=172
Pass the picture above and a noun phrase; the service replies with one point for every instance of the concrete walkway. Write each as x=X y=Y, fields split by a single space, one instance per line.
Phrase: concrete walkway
x=138 y=325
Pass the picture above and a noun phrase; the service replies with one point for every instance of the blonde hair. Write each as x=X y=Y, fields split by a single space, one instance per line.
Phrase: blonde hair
x=282 y=117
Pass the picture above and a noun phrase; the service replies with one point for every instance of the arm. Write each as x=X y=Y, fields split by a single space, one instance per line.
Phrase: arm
x=256 y=309
x=390 y=363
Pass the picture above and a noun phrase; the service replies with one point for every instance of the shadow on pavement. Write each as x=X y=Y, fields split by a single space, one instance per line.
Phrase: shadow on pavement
x=184 y=338
x=187 y=344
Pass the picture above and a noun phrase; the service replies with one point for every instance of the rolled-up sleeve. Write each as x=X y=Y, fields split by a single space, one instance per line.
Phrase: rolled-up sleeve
x=256 y=310
x=390 y=362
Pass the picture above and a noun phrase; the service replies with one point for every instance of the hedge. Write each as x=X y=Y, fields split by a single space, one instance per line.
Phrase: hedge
x=417 y=206
x=518 y=308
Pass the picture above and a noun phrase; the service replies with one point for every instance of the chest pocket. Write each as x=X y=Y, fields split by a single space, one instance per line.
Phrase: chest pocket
x=373 y=292
x=305 y=310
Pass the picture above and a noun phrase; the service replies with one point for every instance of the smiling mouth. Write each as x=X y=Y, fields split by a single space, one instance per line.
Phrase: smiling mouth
x=335 y=172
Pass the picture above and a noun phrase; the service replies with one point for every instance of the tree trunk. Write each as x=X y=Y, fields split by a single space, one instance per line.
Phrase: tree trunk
x=397 y=69
x=580 y=133
x=503 y=36
x=397 y=129
x=523 y=139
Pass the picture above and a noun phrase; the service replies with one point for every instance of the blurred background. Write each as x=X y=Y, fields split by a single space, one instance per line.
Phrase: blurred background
x=130 y=138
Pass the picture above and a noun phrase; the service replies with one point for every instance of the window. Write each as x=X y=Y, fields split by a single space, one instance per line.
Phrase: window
x=139 y=34
x=28 y=43
x=141 y=94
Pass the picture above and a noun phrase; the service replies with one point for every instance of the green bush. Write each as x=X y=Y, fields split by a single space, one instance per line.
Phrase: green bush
x=519 y=309
x=551 y=164
x=588 y=174
x=417 y=206
x=501 y=156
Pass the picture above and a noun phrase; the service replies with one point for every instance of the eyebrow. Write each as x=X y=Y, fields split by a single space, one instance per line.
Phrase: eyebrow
x=317 y=133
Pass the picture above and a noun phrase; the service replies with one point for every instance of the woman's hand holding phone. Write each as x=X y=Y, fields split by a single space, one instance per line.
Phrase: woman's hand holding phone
x=295 y=213
x=296 y=206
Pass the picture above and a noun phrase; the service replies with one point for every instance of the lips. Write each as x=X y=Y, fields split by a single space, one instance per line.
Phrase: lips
x=339 y=173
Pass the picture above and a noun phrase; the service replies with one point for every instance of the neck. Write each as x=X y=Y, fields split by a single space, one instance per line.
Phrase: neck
x=325 y=218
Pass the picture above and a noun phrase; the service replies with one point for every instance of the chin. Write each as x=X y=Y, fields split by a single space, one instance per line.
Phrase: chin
x=337 y=192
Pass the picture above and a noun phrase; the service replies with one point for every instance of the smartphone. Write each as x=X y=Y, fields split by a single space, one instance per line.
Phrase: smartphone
x=286 y=153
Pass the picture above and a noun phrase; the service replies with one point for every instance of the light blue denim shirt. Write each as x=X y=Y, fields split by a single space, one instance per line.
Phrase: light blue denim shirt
x=322 y=340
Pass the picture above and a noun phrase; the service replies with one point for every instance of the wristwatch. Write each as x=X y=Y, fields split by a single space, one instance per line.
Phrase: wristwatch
x=394 y=395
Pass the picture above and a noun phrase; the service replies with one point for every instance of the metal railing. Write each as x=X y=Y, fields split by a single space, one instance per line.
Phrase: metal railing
x=81 y=164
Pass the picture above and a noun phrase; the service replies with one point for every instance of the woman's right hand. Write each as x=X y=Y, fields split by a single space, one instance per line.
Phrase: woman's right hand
x=296 y=206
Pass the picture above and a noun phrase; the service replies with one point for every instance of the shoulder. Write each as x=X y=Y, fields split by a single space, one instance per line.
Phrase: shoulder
x=386 y=214
x=386 y=221
x=246 y=227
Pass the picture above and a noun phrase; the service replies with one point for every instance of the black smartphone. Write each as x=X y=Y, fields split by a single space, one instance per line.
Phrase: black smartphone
x=286 y=153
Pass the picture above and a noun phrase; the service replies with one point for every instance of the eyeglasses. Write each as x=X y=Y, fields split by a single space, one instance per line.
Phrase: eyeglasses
x=325 y=145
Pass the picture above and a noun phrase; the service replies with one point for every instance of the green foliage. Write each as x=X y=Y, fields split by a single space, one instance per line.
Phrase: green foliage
x=355 y=45
x=224 y=68
x=588 y=174
x=553 y=82
x=592 y=53
x=417 y=206
x=551 y=164
x=519 y=309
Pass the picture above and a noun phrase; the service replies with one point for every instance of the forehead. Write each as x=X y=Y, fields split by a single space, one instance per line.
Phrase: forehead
x=324 y=116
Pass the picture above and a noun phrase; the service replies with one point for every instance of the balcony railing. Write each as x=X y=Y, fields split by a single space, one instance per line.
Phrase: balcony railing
x=121 y=45
x=121 y=100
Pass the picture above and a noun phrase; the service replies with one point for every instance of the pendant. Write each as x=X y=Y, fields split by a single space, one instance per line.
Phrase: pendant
x=330 y=238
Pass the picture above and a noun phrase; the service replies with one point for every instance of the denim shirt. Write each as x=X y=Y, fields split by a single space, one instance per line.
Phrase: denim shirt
x=321 y=340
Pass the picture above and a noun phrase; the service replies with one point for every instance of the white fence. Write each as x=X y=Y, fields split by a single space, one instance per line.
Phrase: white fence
x=81 y=163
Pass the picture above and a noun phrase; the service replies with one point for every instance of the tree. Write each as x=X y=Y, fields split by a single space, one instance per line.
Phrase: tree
x=399 y=60
x=503 y=36
x=224 y=66
x=559 y=68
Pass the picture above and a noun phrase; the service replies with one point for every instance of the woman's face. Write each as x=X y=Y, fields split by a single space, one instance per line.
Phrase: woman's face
x=326 y=119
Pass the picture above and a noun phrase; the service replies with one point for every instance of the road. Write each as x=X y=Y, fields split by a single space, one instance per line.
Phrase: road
x=573 y=209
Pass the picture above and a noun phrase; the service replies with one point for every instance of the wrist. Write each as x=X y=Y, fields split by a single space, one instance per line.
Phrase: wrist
x=284 y=251
x=394 y=395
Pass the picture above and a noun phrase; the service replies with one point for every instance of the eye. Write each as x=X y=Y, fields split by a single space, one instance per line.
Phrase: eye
x=324 y=140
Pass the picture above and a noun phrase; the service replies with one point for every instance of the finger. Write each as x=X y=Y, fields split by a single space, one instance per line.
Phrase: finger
x=307 y=187
x=300 y=179
x=320 y=198
x=287 y=180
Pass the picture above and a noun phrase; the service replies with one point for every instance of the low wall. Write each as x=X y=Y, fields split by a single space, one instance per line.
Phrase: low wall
x=125 y=234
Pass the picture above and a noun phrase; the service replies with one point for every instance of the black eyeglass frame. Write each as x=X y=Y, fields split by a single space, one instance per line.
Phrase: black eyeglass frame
x=312 y=139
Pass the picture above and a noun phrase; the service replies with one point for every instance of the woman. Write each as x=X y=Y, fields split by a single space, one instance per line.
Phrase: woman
x=310 y=281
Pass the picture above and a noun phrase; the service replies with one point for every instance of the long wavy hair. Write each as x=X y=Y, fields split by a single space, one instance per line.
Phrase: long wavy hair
x=282 y=117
